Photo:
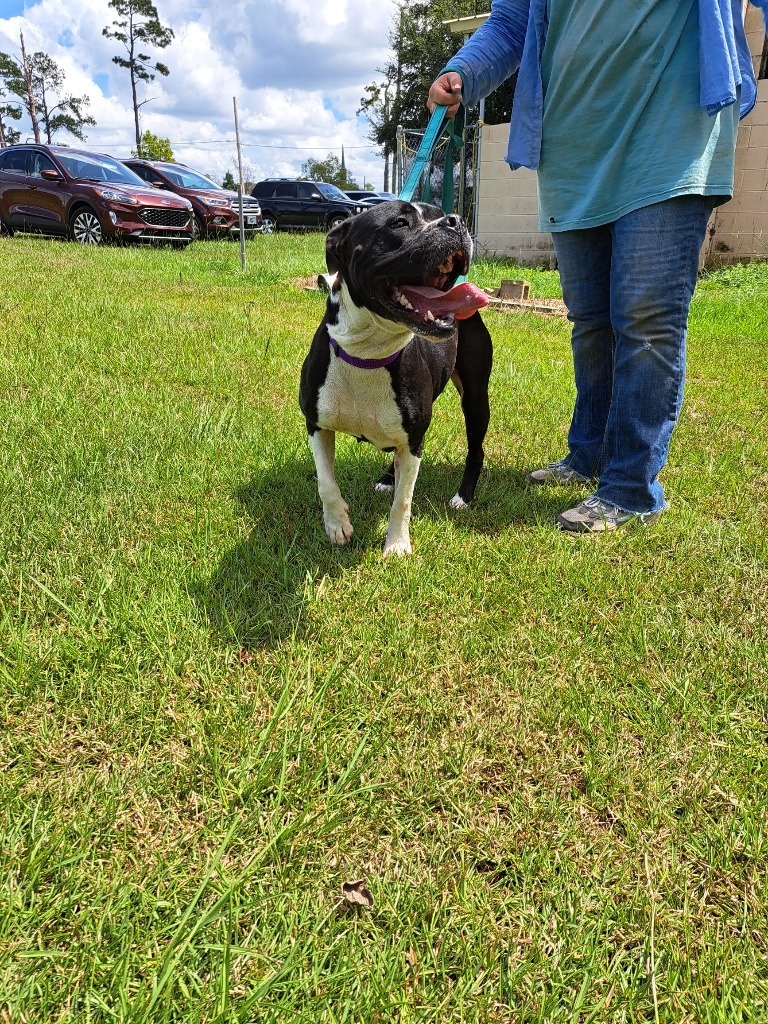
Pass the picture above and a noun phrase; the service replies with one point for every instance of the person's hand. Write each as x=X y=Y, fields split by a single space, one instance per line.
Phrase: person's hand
x=445 y=91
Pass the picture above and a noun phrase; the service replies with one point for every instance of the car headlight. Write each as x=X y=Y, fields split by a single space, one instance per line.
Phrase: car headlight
x=112 y=195
x=214 y=202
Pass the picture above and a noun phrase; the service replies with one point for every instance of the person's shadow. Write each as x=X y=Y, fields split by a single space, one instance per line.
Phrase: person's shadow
x=256 y=596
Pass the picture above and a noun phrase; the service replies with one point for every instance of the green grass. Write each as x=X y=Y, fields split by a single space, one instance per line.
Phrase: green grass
x=547 y=758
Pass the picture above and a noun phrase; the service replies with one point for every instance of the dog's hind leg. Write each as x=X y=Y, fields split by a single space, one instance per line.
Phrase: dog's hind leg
x=474 y=359
x=398 y=540
x=335 y=509
x=386 y=481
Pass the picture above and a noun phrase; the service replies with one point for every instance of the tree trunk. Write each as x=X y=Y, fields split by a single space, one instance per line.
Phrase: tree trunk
x=136 y=114
x=46 y=114
x=2 y=133
x=30 y=94
x=133 y=86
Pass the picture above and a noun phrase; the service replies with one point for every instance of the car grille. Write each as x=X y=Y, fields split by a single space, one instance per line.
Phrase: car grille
x=249 y=205
x=164 y=218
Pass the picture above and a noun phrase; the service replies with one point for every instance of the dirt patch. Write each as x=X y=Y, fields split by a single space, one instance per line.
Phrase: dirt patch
x=549 y=307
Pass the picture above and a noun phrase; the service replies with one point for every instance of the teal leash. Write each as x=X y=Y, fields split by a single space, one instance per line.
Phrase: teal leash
x=423 y=158
x=424 y=154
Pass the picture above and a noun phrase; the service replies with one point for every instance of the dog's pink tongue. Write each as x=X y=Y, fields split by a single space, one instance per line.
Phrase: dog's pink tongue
x=461 y=301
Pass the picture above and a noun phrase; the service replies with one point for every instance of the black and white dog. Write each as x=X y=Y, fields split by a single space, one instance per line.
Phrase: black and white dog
x=396 y=329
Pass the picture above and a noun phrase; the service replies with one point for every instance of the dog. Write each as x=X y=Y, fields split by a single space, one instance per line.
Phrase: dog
x=397 y=328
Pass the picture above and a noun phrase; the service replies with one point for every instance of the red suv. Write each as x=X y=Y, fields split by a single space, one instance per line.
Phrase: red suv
x=86 y=196
x=217 y=209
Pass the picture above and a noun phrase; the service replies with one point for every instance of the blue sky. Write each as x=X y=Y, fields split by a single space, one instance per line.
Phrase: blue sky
x=298 y=68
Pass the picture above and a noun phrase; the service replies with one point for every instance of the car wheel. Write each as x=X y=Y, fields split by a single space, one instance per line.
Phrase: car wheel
x=337 y=219
x=84 y=227
x=268 y=224
x=5 y=229
x=198 y=229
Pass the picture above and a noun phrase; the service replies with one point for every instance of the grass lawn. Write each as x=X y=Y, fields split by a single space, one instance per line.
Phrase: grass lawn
x=547 y=758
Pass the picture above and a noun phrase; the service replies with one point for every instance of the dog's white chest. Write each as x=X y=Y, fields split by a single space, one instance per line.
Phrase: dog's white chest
x=361 y=403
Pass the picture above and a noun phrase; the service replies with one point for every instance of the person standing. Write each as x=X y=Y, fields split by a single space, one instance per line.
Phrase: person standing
x=629 y=115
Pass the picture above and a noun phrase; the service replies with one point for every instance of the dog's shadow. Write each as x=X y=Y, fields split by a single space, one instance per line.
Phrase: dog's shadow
x=257 y=595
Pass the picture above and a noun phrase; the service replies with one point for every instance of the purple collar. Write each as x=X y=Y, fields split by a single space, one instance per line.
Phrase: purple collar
x=361 y=364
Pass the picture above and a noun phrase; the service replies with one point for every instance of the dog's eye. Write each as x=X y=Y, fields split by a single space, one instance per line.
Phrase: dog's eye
x=399 y=222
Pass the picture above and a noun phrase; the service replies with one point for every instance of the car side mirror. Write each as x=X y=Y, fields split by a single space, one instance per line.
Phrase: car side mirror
x=157 y=184
x=49 y=174
x=316 y=195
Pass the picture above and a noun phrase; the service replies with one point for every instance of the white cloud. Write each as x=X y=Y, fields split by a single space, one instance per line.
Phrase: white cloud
x=297 y=67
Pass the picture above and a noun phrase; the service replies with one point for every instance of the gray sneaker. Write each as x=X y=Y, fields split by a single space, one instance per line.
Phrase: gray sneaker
x=557 y=474
x=594 y=515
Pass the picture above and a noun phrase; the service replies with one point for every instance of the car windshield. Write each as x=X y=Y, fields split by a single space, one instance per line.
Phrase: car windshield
x=190 y=179
x=92 y=167
x=331 y=192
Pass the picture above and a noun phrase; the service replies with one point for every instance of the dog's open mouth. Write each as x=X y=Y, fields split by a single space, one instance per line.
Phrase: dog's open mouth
x=433 y=303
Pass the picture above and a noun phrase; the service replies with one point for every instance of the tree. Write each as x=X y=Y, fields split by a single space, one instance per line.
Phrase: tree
x=137 y=26
x=68 y=114
x=8 y=136
x=331 y=170
x=8 y=110
x=154 y=148
x=421 y=45
x=18 y=80
x=38 y=82
x=229 y=181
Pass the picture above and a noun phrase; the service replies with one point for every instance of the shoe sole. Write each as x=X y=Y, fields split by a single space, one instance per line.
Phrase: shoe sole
x=579 y=529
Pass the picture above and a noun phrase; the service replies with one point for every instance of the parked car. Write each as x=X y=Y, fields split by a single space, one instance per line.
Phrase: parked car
x=370 y=197
x=87 y=196
x=374 y=200
x=217 y=209
x=287 y=203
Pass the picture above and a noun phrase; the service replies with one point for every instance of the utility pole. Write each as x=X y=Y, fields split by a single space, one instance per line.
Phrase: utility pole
x=386 y=147
x=241 y=187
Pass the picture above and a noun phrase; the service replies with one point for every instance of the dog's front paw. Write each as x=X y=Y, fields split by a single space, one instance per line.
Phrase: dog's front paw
x=397 y=546
x=338 y=528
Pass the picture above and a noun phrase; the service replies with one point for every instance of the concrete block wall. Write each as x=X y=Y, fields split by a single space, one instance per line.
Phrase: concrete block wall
x=739 y=229
x=508 y=224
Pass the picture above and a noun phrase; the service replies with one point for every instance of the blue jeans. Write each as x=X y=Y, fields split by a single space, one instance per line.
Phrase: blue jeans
x=628 y=287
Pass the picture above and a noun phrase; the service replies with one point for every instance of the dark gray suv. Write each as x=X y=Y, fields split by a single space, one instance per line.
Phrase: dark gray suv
x=286 y=203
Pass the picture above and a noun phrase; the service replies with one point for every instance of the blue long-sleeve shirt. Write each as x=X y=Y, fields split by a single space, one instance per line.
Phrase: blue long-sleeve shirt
x=514 y=35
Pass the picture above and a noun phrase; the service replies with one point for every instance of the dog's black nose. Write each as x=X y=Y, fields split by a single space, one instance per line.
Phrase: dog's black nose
x=450 y=221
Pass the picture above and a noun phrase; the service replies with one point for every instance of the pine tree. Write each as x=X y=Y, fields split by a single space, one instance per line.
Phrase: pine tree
x=138 y=25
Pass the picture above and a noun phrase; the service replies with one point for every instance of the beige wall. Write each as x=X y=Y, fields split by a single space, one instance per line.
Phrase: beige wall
x=508 y=214
x=508 y=223
x=739 y=229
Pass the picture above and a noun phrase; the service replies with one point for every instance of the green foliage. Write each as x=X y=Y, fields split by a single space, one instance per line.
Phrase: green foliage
x=421 y=46
x=9 y=110
x=140 y=26
x=329 y=170
x=229 y=181
x=154 y=148
x=55 y=111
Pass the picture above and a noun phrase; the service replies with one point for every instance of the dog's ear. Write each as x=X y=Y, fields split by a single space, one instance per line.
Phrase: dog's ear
x=334 y=246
